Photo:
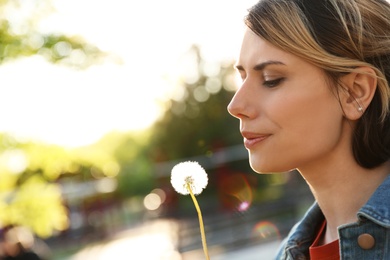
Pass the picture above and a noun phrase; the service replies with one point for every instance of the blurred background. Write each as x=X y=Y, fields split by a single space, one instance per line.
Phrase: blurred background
x=99 y=100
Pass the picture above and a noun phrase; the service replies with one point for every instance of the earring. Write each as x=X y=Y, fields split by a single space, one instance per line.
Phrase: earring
x=360 y=107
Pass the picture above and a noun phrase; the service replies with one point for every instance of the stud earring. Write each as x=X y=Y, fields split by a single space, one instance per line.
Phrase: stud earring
x=360 y=107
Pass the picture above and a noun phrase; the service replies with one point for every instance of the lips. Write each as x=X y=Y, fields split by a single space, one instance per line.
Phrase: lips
x=252 y=139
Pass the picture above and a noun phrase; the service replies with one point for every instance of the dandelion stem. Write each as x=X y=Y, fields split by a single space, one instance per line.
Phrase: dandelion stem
x=202 y=233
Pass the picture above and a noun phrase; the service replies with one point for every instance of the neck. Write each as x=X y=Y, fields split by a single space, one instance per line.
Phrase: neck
x=342 y=190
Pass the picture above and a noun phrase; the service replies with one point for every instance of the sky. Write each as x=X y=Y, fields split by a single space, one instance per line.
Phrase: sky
x=68 y=107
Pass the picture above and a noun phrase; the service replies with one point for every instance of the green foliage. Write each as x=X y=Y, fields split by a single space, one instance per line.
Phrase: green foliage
x=192 y=127
x=136 y=176
x=31 y=174
x=29 y=194
x=19 y=36
x=36 y=204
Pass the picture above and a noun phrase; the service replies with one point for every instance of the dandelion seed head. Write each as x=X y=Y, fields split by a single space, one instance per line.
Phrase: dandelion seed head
x=188 y=173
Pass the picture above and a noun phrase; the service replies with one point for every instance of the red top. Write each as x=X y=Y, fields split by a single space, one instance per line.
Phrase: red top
x=324 y=252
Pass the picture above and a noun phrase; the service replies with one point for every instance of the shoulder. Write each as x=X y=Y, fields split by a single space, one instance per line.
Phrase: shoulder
x=377 y=209
x=302 y=235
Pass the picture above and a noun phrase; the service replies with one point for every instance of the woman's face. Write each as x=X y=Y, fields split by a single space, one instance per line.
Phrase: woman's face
x=289 y=116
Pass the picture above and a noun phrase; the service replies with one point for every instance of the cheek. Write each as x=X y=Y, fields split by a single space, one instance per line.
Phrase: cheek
x=315 y=117
x=306 y=129
x=312 y=129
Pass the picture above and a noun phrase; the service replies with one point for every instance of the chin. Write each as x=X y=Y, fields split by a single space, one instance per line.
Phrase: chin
x=263 y=167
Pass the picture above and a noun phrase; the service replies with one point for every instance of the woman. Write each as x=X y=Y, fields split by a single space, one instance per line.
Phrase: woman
x=315 y=97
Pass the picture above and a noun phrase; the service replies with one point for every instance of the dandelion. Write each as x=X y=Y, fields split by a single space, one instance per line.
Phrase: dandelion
x=190 y=178
x=189 y=173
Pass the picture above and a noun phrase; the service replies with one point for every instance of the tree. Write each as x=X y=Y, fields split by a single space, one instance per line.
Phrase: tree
x=198 y=123
x=135 y=177
x=29 y=195
x=19 y=36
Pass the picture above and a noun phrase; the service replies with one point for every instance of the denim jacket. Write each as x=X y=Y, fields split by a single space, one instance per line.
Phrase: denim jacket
x=367 y=239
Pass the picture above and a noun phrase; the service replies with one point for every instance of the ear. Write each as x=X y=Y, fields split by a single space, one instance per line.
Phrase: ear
x=360 y=86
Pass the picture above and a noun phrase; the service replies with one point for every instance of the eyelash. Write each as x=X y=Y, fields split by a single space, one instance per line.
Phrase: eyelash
x=272 y=83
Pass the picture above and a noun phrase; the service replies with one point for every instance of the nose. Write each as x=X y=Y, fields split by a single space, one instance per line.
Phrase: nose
x=234 y=106
x=238 y=106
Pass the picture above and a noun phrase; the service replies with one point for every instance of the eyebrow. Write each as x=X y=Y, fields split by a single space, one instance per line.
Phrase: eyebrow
x=260 y=66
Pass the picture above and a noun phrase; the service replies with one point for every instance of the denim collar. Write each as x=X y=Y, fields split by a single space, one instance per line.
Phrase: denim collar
x=303 y=234
x=377 y=209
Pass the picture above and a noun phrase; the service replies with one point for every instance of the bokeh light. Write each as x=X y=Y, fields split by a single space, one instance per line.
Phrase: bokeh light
x=13 y=160
x=265 y=230
x=154 y=199
x=106 y=185
x=236 y=192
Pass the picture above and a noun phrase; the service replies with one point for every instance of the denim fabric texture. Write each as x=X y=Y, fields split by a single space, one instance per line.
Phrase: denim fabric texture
x=373 y=219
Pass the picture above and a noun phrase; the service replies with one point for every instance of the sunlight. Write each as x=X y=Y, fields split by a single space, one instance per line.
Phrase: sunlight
x=60 y=105
x=154 y=240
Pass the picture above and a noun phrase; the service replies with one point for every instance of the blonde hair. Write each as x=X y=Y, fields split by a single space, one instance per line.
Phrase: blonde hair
x=337 y=36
